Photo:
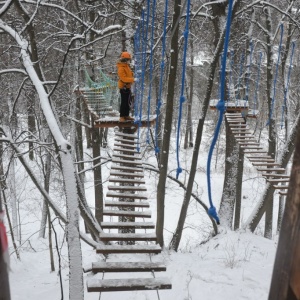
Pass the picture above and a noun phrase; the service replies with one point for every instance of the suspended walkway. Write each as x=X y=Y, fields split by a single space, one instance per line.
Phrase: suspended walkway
x=259 y=158
x=125 y=230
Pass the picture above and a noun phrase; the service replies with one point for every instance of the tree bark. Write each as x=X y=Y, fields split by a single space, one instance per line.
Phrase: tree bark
x=164 y=155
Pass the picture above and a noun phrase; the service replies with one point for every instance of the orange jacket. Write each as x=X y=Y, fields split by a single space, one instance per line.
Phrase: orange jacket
x=125 y=75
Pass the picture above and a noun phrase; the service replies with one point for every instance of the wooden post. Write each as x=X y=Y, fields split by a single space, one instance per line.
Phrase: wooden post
x=285 y=283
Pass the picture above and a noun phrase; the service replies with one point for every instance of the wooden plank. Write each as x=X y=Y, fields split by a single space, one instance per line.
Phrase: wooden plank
x=128 y=157
x=127 y=267
x=259 y=156
x=124 y=145
x=283 y=193
x=281 y=187
x=126 y=180
x=118 y=167
x=125 y=174
x=250 y=147
x=128 y=135
x=125 y=237
x=125 y=195
x=126 y=204
x=271 y=169
x=279 y=180
x=127 y=188
x=275 y=175
x=254 y=152
x=133 y=284
x=127 y=162
x=125 y=213
x=258 y=159
x=126 y=150
x=128 y=225
x=261 y=164
x=248 y=143
x=123 y=141
x=110 y=249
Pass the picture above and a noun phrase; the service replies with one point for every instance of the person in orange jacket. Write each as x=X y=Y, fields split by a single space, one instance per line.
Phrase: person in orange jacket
x=126 y=78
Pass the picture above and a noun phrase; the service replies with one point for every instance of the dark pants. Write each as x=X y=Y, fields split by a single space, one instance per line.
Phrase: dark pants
x=125 y=100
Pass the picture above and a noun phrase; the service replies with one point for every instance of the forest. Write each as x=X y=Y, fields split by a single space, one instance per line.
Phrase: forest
x=55 y=157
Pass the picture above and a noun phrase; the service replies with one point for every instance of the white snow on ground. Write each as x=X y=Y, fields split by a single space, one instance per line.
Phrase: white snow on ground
x=232 y=265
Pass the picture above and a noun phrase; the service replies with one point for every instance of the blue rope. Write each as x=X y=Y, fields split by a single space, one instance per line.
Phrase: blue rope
x=257 y=82
x=287 y=84
x=182 y=98
x=221 y=107
x=162 y=66
x=151 y=69
x=275 y=78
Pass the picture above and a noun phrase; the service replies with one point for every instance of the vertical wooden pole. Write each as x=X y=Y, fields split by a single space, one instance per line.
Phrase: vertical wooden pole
x=285 y=283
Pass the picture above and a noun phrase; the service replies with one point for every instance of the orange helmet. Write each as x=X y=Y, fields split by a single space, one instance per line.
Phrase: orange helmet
x=125 y=55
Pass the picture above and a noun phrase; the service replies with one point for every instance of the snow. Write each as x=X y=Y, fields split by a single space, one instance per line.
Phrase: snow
x=231 y=265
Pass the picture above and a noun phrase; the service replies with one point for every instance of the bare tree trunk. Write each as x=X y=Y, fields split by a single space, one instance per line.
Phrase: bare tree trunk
x=239 y=184
x=164 y=155
x=226 y=211
x=98 y=188
x=272 y=132
x=188 y=140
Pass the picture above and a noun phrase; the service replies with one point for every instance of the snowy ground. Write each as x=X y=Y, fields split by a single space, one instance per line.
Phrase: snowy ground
x=232 y=265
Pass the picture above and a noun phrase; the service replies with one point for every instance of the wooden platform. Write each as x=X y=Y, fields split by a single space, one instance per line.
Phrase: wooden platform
x=124 y=228
x=110 y=122
x=256 y=155
x=241 y=106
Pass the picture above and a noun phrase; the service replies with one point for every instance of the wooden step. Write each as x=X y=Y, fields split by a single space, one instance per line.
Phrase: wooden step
x=248 y=143
x=126 y=168
x=125 y=174
x=127 y=162
x=254 y=152
x=113 y=285
x=242 y=130
x=110 y=249
x=125 y=146
x=250 y=147
x=271 y=169
x=127 y=188
x=261 y=164
x=125 y=237
x=283 y=193
x=126 y=150
x=128 y=135
x=278 y=180
x=127 y=213
x=125 y=156
x=245 y=139
x=125 y=142
x=125 y=195
x=275 y=175
x=281 y=187
x=127 y=267
x=144 y=204
x=241 y=133
x=126 y=180
x=258 y=159
x=127 y=225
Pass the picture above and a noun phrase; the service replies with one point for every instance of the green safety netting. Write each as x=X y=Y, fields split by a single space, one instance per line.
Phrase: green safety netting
x=102 y=94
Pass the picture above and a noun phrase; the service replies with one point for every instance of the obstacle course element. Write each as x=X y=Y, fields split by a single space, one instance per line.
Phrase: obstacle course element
x=124 y=229
x=259 y=158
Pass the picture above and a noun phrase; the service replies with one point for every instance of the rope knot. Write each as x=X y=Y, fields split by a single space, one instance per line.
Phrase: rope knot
x=182 y=99
x=179 y=170
x=221 y=106
x=213 y=213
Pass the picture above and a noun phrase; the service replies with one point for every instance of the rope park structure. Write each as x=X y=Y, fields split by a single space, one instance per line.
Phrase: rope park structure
x=128 y=202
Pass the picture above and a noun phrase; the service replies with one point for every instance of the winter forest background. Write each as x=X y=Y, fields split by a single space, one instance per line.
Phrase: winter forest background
x=54 y=164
